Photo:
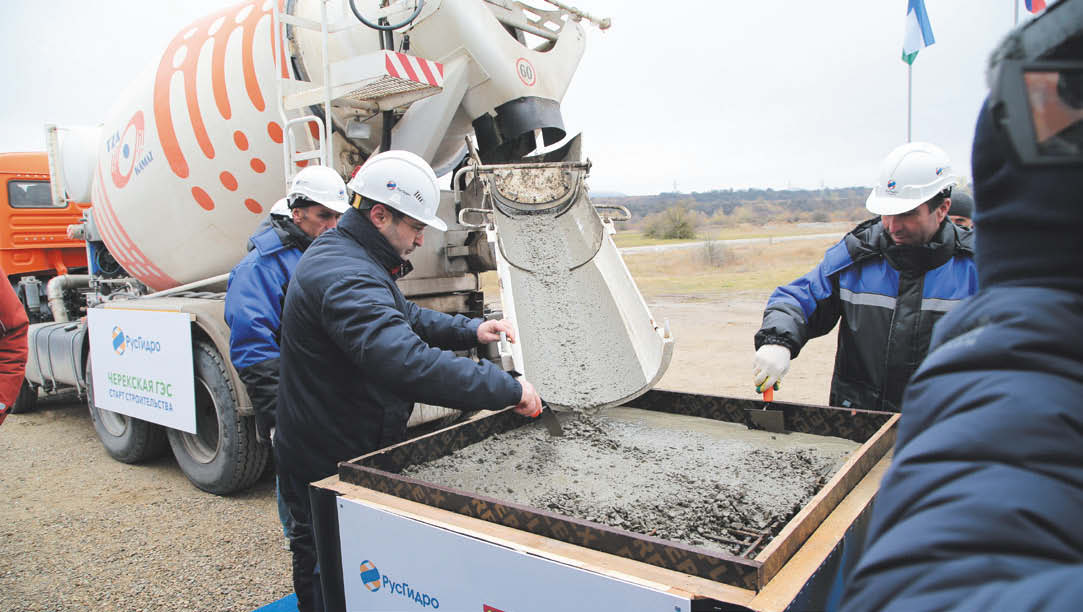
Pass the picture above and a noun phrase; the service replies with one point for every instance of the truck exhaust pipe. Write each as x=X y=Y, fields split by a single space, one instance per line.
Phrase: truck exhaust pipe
x=56 y=288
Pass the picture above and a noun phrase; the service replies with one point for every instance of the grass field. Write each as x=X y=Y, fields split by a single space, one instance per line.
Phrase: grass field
x=700 y=273
x=636 y=238
x=753 y=267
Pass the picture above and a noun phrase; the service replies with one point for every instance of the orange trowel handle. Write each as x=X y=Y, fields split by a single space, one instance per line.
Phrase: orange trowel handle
x=769 y=394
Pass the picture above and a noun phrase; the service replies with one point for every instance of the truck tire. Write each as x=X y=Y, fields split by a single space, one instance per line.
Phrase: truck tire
x=223 y=456
x=126 y=439
x=27 y=400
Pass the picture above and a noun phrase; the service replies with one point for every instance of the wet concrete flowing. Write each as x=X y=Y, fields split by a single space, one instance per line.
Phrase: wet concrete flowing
x=710 y=484
x=575 y=349
x=576 y=344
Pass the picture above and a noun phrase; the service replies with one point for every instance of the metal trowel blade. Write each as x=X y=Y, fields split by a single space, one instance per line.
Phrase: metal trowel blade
x=773 y=421
x=552 y=423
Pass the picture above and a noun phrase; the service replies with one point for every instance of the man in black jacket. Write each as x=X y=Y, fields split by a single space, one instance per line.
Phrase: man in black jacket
x=356 y=355
x=980 y=508
x=889 y=280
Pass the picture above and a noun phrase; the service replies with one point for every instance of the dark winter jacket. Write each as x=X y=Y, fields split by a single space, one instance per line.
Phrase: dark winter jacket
x=356 y=354
x=980 y=509
x=257 y=290
x=888 y=296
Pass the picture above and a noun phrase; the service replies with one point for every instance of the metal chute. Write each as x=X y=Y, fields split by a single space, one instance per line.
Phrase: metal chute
x=586 y=337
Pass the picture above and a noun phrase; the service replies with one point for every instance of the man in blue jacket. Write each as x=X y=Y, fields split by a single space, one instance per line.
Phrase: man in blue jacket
x=257 y=288
x=257 y=285
x=356 y=355
x=962 y=209
x=980 y=509
x=889 y=280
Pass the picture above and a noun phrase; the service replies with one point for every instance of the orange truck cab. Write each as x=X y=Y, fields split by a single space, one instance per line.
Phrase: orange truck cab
x=34 y=243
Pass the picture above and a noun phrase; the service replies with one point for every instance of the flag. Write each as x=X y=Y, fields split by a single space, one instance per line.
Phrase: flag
x=1035 y=5
x=919 y=34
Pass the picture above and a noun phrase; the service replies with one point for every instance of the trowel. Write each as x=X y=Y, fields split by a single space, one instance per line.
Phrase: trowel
x=507 y=361
x=773 y=421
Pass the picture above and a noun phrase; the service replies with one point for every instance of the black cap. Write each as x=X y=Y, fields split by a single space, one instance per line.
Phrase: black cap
x=962 y=205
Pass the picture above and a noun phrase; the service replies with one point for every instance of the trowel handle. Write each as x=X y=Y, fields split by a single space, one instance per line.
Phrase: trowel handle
x=507 y=359
x=769 y=394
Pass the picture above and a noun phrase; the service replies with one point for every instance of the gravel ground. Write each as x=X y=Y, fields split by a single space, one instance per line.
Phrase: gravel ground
x=85 y=532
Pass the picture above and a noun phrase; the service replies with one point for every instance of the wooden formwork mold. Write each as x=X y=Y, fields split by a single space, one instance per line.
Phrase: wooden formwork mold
x=379 y=472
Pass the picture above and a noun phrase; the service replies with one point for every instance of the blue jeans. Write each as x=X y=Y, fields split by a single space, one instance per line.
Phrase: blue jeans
x=283 y=511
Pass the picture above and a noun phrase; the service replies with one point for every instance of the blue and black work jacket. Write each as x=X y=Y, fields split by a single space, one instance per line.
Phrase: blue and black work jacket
x=980 y=507
x=257 y=290
x=888 y=298
x=357 y=355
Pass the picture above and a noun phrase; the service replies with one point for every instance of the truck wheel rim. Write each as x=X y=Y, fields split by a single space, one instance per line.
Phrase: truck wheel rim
x=203 y=445
x=113 y=422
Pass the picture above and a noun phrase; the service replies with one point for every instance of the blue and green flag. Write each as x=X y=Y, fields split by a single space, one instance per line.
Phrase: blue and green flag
x=919 y=34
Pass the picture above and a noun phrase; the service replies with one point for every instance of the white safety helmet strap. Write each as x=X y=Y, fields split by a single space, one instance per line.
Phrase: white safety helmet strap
x=911 y=175
x=404 y=181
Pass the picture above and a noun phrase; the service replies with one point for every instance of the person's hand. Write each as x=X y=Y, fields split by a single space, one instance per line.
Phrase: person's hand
x=530 y=404
x=489 y=331
x=771 y=364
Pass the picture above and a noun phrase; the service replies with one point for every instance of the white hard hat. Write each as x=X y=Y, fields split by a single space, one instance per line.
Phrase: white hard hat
x=322 y=185
x=281 y=208
x=403 y=181
x=910 y=176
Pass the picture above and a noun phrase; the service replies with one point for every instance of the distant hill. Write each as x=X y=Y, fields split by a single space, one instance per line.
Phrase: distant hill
x=751 y=205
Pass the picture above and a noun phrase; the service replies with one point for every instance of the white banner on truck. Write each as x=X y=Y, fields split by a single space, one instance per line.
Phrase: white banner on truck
x=390 y=562
x=142 y=364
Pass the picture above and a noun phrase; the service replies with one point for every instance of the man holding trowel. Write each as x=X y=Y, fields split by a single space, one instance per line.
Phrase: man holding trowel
x=356 y=355
x=889 y=280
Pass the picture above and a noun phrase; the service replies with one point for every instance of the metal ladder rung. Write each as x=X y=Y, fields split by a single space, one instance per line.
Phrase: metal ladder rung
x=314 y=154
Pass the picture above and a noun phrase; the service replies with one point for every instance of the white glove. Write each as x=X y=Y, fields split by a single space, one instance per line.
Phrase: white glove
x=771 y=364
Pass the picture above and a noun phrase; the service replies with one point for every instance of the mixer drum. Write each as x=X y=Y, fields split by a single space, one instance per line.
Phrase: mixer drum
x=190 y=158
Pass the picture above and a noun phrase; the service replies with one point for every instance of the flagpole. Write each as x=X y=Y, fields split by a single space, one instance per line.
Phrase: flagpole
x=909 y=97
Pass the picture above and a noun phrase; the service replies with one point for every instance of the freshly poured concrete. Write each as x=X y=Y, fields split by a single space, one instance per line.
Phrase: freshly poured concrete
x=680 y=478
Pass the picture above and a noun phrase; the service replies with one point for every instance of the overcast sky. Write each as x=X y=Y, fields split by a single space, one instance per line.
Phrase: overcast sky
x=701 y=94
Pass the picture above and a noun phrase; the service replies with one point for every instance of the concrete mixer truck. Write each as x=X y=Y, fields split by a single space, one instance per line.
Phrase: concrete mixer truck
x=198 y=148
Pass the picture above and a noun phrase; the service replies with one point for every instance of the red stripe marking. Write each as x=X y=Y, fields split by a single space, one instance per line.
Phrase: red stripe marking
x=390 y=66
x=405 y=59
x=428 y=74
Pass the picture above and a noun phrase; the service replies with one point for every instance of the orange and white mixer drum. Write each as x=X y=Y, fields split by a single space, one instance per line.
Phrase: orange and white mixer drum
x=191 y=155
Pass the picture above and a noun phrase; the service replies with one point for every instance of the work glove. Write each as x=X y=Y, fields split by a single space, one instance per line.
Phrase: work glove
x=771 y=364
